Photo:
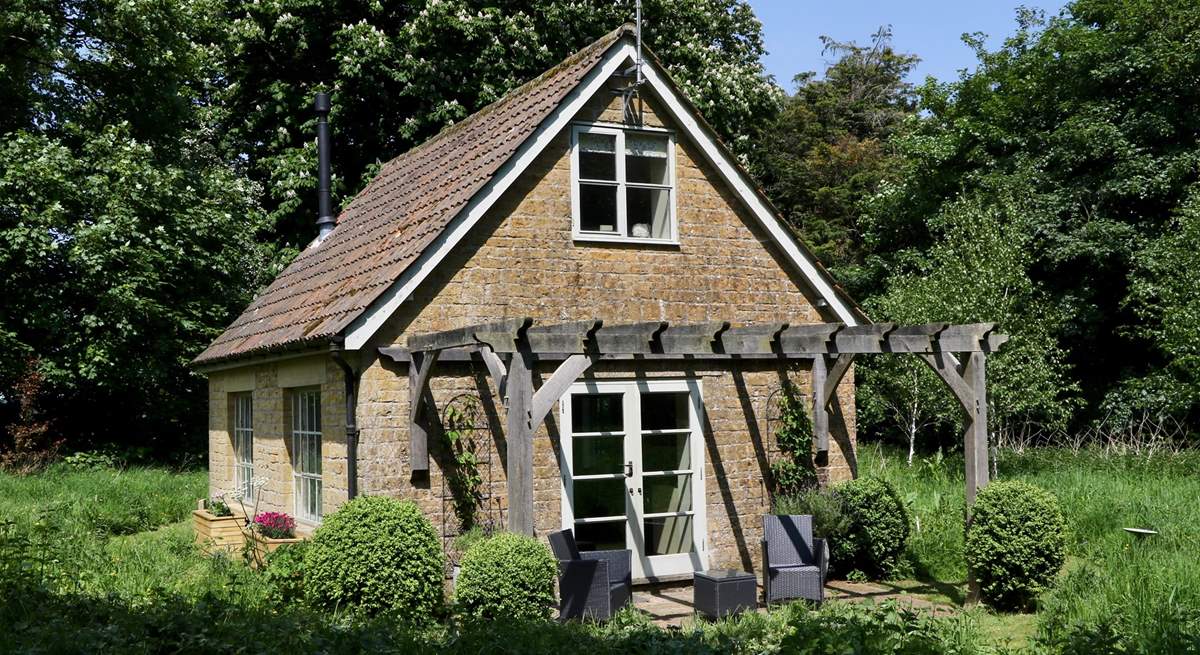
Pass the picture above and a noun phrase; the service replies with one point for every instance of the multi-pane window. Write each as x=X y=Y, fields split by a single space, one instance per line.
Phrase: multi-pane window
x=624 y=180
x=243 y=444
x=306 y=453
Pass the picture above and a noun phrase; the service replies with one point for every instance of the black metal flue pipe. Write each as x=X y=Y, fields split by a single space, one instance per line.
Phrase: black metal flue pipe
x=325 y=220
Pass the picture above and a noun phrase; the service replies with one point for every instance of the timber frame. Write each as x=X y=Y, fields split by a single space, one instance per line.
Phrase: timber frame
x=511 y=349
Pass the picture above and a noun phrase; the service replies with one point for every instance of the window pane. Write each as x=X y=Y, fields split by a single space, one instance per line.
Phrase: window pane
x=665 y=411
x=596 y=498
x=668 y=493
x=666 y=452
x=668 y=535
x=648 y=212
x=597 y=455
x=597 y=208
x=597 y=157
x=600 y=536
x=599 y=412
x=646 y=159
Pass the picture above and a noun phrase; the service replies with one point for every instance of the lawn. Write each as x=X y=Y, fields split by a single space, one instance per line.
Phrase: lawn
x=102 y=560
x=1146 y=591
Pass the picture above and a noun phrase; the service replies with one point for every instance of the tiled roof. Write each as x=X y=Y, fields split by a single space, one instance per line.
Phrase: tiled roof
x=390 y=222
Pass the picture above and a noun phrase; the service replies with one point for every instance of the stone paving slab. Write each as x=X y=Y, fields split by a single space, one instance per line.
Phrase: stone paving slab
x=670 y=605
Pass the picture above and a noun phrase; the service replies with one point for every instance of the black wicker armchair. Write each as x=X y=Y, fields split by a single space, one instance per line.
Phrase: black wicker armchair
x=591 y=584
x=794 y=563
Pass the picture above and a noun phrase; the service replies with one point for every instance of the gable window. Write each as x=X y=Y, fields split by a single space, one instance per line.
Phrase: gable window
x=623 y=184
x=243 y=444
x=306 y=453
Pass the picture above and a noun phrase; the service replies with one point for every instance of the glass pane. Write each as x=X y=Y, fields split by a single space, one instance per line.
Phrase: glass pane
x=596 y=455
x=597 y=157
x=668 y=493
x=314 y=458
x=646 y=159
x=600 y=536
x=665 y=411
x=596 y=498
x=597 y=208
x=599 y=412
x=666 y=452
x=668 y=535
x=648 y=213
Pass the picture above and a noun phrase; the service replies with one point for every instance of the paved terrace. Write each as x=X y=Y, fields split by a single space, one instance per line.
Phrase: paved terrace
x=671 y=604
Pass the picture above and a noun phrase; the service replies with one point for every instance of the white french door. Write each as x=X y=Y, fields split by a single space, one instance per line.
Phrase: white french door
x=633 y=472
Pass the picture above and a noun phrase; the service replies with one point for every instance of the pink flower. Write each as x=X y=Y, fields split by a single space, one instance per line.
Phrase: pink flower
x=275 y=525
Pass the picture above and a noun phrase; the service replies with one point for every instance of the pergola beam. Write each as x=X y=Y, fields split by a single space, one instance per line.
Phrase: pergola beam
x=579 y=345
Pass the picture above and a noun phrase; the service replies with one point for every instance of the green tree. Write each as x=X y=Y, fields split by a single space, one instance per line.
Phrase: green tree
x=978 y=272
x=1166 y=297
x=1090 y=118
x=126 y=242
x=827 y=150
x=401 y=71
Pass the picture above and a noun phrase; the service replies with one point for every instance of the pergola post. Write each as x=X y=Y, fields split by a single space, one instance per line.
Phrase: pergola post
x=519 y=437
x=820 y=410
x=975 y=437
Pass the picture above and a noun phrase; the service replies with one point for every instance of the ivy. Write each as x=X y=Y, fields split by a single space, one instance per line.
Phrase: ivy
x=463 y=477
x=794 y=470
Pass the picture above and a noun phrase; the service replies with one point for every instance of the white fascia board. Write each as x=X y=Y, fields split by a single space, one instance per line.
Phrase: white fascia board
x=370 y=321
x=735 y=178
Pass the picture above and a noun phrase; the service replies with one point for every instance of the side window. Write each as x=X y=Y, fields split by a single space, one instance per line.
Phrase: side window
x=243 y=444
x=623 y=185
x=306 y=453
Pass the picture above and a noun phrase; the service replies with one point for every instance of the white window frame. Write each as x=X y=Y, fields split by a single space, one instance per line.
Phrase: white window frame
x=243 y=443
x=621 y=234
x=306 y=427
x=644 y=566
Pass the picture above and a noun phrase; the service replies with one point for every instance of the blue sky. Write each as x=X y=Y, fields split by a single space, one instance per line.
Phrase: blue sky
x=928 y=28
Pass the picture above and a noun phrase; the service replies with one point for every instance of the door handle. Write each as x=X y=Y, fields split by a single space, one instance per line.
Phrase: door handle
x=629 y=469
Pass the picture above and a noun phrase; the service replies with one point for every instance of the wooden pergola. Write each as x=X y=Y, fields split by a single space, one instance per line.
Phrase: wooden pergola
x=511 y=349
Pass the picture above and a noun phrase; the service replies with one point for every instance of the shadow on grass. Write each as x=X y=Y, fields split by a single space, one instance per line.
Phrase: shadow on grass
x=36 y=620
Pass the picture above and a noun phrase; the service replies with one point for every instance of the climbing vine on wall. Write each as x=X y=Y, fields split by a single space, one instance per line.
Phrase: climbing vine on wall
x=463 y=476
x=793 y=471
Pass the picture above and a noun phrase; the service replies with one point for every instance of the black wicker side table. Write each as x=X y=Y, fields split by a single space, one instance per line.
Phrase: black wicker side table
x=721 y=592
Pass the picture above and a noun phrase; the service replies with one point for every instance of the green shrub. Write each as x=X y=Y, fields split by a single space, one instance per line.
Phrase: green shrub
x=831 y=520
x=1016 y=543
x=377 y=555
x=878 y=531
x=285 y=572
x=507 y=576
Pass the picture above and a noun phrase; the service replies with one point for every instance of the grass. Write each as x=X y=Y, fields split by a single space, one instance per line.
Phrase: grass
x=103 y=561
x=1146 y=592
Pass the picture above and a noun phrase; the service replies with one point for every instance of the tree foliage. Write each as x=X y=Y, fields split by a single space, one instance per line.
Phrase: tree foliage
x=1087 y=120
x=125 y=239
x=827 y=150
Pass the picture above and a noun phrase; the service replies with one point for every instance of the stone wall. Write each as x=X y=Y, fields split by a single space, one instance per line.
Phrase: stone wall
x=521 y=260
x=271 y=385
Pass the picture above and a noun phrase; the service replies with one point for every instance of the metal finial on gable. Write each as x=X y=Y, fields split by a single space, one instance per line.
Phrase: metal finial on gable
x=629 y=95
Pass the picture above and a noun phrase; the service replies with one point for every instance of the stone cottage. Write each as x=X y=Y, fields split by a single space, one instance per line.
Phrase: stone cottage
x=592 y=197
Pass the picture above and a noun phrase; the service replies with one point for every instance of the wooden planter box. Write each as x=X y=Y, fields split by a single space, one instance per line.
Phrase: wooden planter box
x=264 y=545
x=218 y=533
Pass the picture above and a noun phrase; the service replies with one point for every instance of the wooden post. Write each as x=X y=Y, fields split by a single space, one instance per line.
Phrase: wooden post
x=418 y=439
x=519 y=437
x=820 y=409
x=976 y=438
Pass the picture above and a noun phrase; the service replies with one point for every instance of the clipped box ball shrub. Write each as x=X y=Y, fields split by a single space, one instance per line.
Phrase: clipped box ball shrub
x=1016 y=543
x=377 y=555
x=507 y=576
x=877 y=532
